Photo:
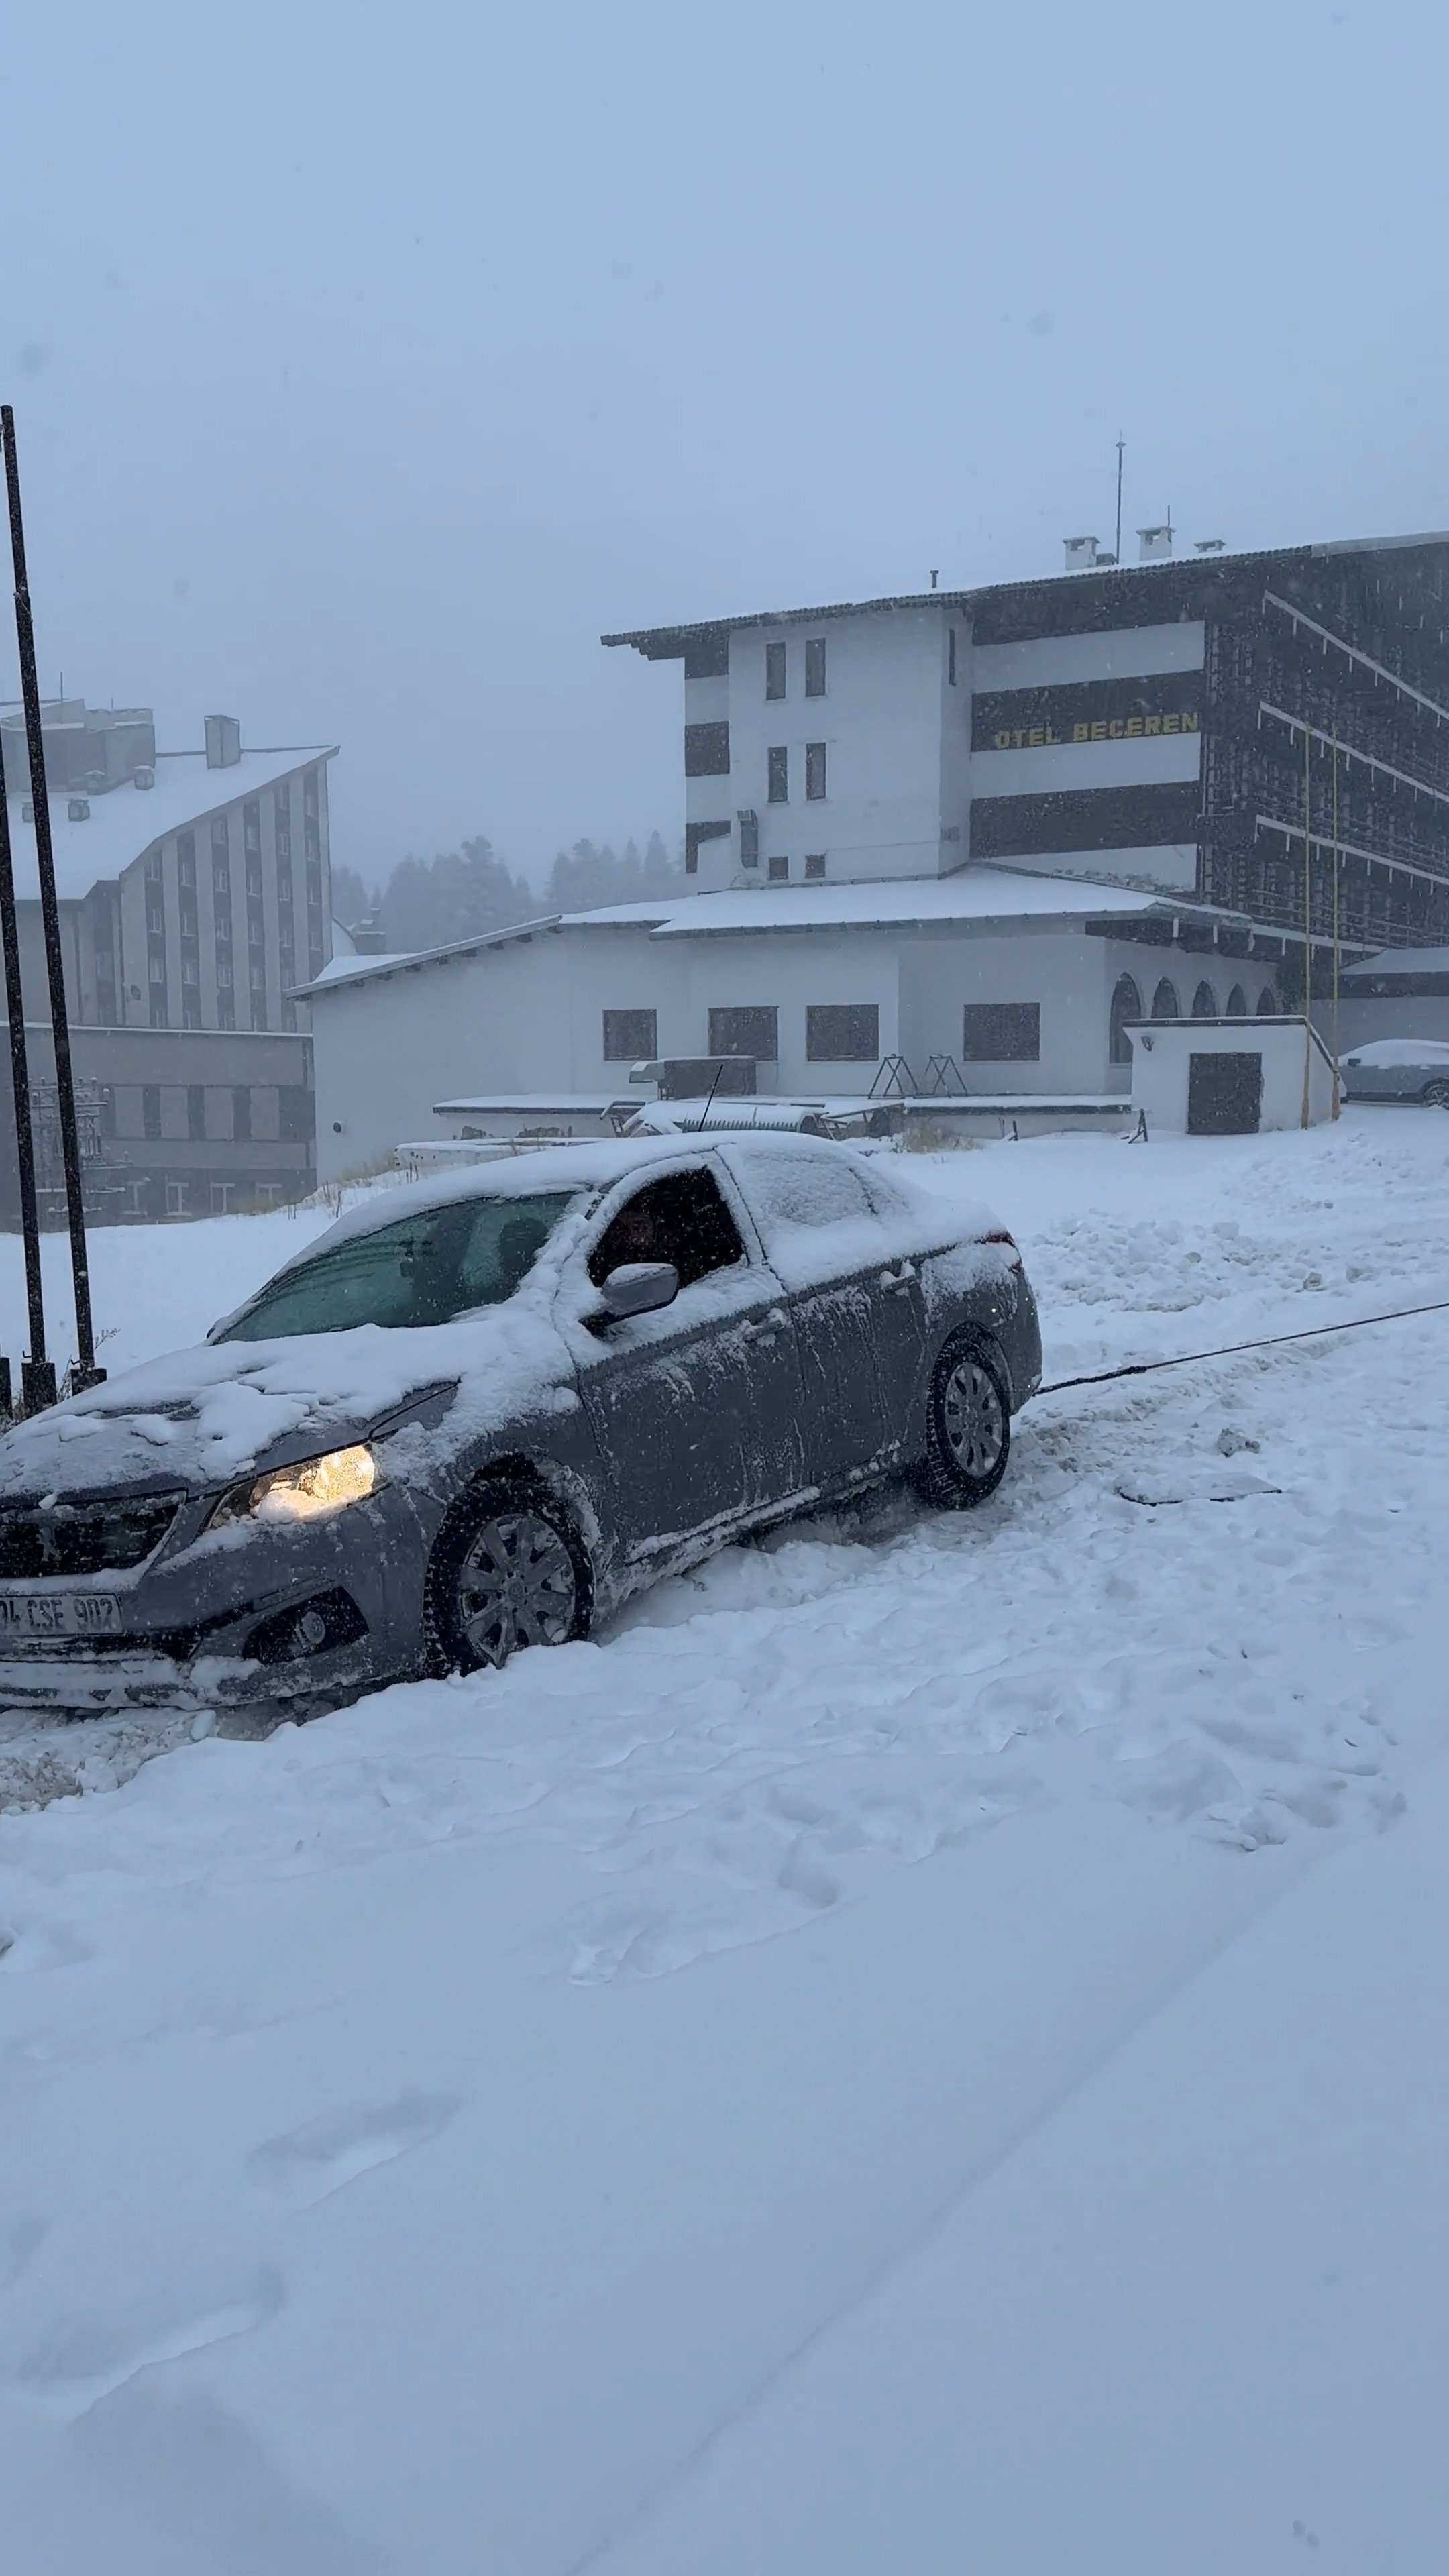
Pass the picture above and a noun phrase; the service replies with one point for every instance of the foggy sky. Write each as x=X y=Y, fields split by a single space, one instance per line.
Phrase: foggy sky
x=368 y=362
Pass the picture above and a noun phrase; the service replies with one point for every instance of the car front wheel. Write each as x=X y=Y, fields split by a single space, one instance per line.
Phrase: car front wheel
x=511 y=1571
x=1437 y=1094
x=968 y=1428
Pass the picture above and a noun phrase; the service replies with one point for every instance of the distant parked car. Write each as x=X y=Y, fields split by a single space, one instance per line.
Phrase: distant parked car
x=1398 y=1069
x=480 y=1411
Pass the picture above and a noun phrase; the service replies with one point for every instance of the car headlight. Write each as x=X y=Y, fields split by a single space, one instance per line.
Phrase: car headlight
x=310 y=1491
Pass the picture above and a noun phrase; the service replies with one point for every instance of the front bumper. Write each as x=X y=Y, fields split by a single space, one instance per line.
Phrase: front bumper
x=215 y=1624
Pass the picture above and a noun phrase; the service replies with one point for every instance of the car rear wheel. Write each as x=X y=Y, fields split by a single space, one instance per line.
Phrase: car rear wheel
x=511 y=1572
x=968 y=1428
x=1437 y=1094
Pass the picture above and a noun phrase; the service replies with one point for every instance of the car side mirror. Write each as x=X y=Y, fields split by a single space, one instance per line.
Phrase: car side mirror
x=639 y=1288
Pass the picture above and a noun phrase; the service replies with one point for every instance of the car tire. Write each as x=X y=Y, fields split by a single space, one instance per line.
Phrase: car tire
x=968 y=1426
x=1436 y=1094
x=509 y=1570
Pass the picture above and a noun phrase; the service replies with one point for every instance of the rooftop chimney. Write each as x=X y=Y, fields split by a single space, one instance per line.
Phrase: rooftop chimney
x=1081 y=553
x=1156 y=543
x=223 y=742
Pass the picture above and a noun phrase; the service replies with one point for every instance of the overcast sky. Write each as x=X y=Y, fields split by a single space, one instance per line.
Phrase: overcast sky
x=368 y=362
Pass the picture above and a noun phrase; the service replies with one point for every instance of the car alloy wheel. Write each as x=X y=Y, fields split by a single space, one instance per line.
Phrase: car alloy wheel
x=1437 y=1094
x=517 y=1584
x=969 y=1428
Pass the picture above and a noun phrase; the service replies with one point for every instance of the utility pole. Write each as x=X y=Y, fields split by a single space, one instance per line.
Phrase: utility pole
x=85 y=1372
x=37 y=1373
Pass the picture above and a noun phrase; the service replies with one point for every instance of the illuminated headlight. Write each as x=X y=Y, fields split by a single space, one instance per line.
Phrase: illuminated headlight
x=310 y=1491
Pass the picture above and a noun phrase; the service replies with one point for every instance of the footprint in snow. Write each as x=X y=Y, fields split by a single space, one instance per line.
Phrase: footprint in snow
x=310 y=2163
x=95 y=2356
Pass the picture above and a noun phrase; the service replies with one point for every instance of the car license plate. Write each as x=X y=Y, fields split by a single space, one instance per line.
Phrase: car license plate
x=59 y=1614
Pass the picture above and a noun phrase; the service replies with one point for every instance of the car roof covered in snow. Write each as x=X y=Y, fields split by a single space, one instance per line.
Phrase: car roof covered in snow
x=545 y=1169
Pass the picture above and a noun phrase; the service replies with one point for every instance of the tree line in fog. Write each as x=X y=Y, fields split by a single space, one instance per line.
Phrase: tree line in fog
x=462 y=893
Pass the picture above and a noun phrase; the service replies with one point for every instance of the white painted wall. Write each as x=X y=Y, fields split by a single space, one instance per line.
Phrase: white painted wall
x=1113 y=653
x=881 y=722
x=1161 y=1059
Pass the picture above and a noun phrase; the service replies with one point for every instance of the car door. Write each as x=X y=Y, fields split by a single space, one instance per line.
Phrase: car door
x=825 y=1240
x=697 y=1407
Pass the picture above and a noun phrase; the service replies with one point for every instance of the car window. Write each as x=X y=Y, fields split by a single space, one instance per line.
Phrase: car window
x=680 y=1218
x=430 y=1267
x=788 y=1192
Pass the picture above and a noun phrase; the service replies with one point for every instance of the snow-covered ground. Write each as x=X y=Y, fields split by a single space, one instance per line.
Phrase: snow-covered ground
x=540 y=2122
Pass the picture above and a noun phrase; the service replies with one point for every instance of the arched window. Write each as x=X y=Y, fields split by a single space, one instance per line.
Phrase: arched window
x=1126 y=1005
x=1204 y=1003
x=1237 y=1003
x=1268 y=1003
x=1165 y=1004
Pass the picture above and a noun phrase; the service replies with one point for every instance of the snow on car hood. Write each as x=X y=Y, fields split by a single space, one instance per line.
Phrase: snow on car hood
x=201 y=1418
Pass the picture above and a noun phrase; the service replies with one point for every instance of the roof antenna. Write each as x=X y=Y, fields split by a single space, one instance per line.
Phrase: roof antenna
x=935 y=577
x=1121 y=443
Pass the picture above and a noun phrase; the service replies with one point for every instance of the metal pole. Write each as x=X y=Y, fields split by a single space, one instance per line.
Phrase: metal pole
x=37 y=1373
x=1307 y=925
x=85 y=1372
x=1121 y=443
x=1337 y=956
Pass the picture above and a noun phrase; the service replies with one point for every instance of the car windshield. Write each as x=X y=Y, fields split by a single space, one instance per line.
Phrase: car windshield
x=443 y=1262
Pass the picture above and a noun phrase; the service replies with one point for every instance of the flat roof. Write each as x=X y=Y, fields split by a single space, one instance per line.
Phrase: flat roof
x=973 y=894
x=668 y=643
x=1401 y=961
x=126 y=821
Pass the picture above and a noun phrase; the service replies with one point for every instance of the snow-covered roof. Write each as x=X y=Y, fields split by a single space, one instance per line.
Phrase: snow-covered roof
x=124 y=822
x=1400 y=961
x=973 y=894
x=353 y=963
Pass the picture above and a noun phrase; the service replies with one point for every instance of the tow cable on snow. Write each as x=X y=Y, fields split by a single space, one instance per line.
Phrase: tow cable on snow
x=1231 y=1350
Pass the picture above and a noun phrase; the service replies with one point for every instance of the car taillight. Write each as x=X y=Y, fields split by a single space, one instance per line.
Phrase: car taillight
x=1000 y=1235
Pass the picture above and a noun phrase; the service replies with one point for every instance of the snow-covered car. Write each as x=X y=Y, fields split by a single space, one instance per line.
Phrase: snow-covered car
x=478 y=1412
x=1398 y=1069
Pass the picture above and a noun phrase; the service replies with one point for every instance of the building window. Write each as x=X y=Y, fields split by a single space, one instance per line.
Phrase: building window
x=296 y=1114
x=1204 y=1003
x=151 y=1110
x=1126 y=1006
x=176 y=1198
x=196 y=1113
x=779 y=871
x=186 y=858
x=159 y=1017
x=190 y=970
x=1237 y=1003
x=777 y=768
x=153 y=867
x=252 y=826
x=842 y=1032
x=1001 y=1033
x=282 y=820
x=749 y=839
x=815 y=666
x=706 y=750
x=815 y=771
x=951 y=657
x=1165 y=1004
x=1268 y=1003
x=191 y=1010
x=241 y=1114
x=753 y=1031
x=156 y=970
x=311 y=795
x=630 y=1036
x=814 y=864
x=225 y=1011
x=155 y=921
x=774 y=670
x=289 y=1015
x=259 y=1014
x=221 y=1197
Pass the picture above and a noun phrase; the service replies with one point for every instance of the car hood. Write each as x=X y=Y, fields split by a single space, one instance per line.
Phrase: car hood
x=200 y=1419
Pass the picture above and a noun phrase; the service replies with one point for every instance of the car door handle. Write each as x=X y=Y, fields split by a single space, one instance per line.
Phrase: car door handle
x=899 y=1278
x=768 y=1326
